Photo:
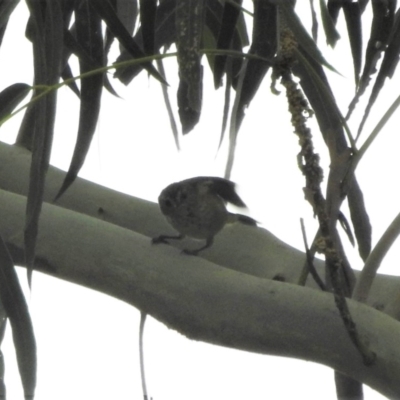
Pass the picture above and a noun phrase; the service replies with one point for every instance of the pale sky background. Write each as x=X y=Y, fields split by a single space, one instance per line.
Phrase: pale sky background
x=88 y=342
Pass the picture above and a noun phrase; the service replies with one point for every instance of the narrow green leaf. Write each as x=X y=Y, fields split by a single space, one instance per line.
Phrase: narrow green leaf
x=314 y=23
x=3 y=326
x=214 y=11
x=382 y=24
x=227 y=102
x=352 y=15
x=127 y=12
x=302 y=36
x=334 y=7
x=148 y=10
x=332 y=35
x=108 y=15
x=388 y=66
x=47 y=31
x=189 y=21
x=66 y=75
x=14 y=303
x=168 y=106
x=11 y=96
x=6 y=9
x=90 y=40
x=165 y=34
x=230 y=17
x=316 y=87
x=264 y=44
x=360 y=220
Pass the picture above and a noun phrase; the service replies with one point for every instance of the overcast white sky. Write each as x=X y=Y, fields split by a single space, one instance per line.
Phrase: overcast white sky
x=88 y=342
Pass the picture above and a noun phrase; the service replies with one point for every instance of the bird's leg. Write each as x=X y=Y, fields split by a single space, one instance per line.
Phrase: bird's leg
x=209 y=243
x=163 y=238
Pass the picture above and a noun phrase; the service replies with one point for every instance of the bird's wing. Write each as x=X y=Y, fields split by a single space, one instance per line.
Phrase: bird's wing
x=220 y=187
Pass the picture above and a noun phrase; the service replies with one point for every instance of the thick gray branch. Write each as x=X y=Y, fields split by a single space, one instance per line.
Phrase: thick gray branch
x=253 y=251
x=206 y=301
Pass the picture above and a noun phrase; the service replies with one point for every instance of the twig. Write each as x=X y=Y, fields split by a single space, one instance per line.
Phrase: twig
x=309 y=264
x=299 y=109
x=143 y=316
x=368 y=273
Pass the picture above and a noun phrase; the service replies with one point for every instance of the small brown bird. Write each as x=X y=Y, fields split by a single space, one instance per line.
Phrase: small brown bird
x=196 y=207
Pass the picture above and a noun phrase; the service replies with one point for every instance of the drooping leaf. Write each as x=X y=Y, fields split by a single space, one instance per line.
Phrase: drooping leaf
x=148 y=10
x=227 y=102
x=314 y=23
x=13 y=301
x=189 y=20
x=3 y=325
x=164 y=37
x=11 y=96
x=334 y=7
x=6 y=9
x=382 y=24
x=264 y=44
x=127 y=12
x=302 y=36
x=352 y=15
x=360 y=219
x=226 y=30
x=107 y=13
x=73 y=46
x=214 y=12
x=66 y=74
x=315 y=85
x=388 y=66
x=174 y=126
x=332 y=35
x=89 y=41
x=36 y=132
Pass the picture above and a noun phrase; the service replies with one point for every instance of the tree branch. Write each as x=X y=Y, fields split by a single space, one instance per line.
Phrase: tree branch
x=202 y=300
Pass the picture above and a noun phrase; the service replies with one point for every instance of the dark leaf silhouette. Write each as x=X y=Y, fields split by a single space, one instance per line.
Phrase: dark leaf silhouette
x=332 y=35
x=214 y=13
x=36 y=131
x=264 y=45
x=227 y=28
x=148 y=10
x=6 y=9
x=382 y=24
x=10 y=97
x=15 y=306
x=352 y=15
x=89 y=46
x=164 y=36
x=189 y=32
x=360 y=220
x=388 y=66
x=114 y=24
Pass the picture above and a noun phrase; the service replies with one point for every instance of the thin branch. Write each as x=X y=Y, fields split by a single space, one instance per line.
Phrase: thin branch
x=311 y=169
x=309 y=264
x=143 y=316
x=374 y=260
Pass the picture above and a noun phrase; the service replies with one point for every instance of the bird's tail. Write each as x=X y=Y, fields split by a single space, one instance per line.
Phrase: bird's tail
x=244 y=219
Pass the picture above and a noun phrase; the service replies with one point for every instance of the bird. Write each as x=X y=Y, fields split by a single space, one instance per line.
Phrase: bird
x=196 y=207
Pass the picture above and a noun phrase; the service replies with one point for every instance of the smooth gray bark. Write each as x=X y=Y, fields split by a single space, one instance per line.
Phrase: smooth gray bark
x=227 y=298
